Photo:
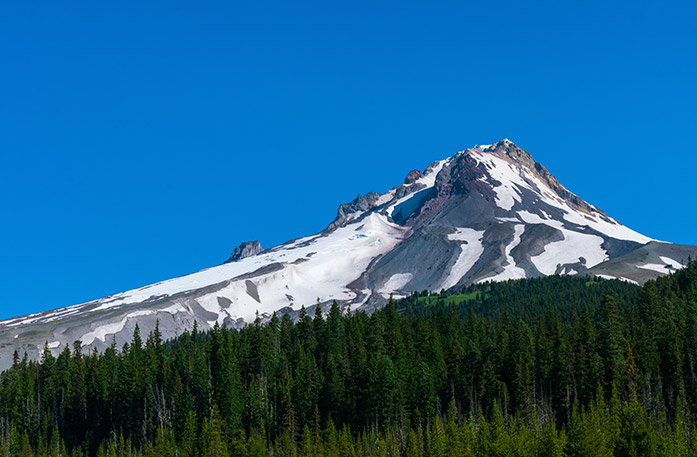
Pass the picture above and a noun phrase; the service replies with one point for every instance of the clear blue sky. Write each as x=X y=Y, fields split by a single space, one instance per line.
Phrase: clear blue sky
x=145 y=140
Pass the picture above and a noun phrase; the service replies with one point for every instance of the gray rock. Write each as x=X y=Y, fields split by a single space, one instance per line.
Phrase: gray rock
x=360 y=204
x=244 y=250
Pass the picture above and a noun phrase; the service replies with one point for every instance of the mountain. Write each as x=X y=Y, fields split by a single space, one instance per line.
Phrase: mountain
x=490 y=213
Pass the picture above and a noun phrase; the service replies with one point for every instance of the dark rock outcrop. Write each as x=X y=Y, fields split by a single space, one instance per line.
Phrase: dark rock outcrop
x=413 y=176
x=462 y=177
x=360 y=204
x=246 y=249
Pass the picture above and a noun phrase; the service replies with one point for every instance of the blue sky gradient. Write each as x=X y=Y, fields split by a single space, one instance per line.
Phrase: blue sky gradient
x=145 y=140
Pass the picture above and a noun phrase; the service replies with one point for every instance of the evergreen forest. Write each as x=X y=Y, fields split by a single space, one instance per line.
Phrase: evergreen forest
x=556 y=366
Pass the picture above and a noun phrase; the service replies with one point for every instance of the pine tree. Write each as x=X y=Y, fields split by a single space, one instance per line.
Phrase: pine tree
x=588 y=434
x=633 y=439
x=413 y=447
x=218 y=441
x=611 y=340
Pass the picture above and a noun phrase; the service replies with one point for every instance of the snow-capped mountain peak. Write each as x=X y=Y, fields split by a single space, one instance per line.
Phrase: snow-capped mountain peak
x=489 y=213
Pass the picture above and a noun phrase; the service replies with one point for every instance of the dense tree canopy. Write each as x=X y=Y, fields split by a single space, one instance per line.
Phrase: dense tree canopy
x=540 y=367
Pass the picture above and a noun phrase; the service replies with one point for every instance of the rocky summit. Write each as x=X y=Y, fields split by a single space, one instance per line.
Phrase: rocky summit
x=490 y=213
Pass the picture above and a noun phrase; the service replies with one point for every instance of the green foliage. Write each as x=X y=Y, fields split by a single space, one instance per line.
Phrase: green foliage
x=545 y=367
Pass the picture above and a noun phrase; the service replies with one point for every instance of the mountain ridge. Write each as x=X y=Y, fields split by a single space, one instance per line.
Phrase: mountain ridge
x=489 y=213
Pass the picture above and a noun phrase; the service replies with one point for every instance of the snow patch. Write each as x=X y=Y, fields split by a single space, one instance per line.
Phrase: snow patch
x=606 y=276
x=673 y=263
x=385 y=198
x=102 y=331
x=567 y=251
x=367 y=293
x=472 y=249
x=659 y=267
x=395 y=282
x=621 y=278
x=665 y=268
x=511 y=270
x=531 y=218
x=429 y=180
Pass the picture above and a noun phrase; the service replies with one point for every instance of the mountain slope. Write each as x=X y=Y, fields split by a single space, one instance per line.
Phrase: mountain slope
x=490 y=213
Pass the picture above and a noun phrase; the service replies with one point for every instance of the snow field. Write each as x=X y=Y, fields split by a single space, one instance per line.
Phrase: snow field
x=337 y=260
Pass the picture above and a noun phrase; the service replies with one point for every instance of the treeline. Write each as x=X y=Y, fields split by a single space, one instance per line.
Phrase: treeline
x=523 y=297
x=615 y=378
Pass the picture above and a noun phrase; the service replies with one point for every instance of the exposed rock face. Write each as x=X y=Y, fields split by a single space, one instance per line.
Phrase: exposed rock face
x=406 y=189
x=462 y=177
x=413 y=176
x=244 y=250
x=348 y=211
